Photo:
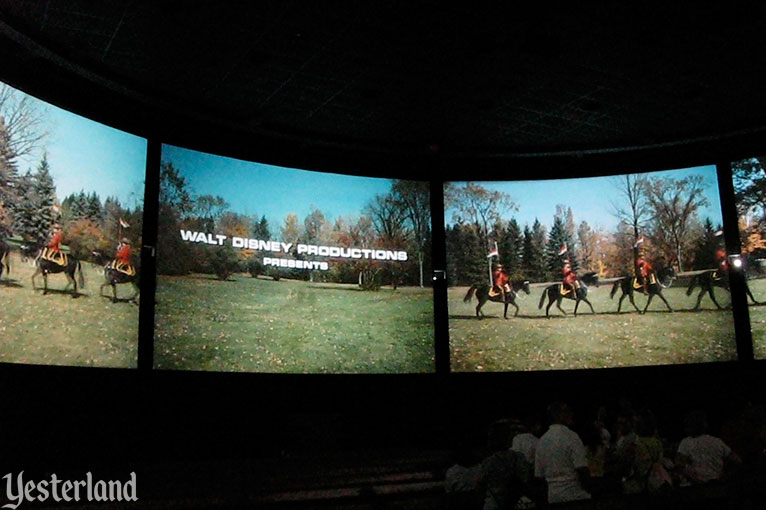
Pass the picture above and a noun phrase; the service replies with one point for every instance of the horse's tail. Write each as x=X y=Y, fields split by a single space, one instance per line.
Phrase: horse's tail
x=542 y=298
x=693 y=283
x=7 y=256
x=80 y=276
x=614 y=289
x=469 y=294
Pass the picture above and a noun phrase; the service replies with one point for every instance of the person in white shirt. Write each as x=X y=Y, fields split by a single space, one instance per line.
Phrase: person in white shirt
x=702 y=457
x=560 y=458
x=526 y=442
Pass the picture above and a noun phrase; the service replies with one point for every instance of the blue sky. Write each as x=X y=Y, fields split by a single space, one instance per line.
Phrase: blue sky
x=590 y=198
x=86 y=155
x=259 y=189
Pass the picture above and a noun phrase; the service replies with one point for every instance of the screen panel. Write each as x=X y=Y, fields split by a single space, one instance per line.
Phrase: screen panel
x=71 y=197
x=749 y=179
x=279 y=270
x=588 y=237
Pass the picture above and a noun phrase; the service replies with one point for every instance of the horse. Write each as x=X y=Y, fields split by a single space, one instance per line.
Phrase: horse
x=5 y=255
x=482 y=294
x=114 y=277
x=45 y=267
x=553 y=292
x=709 y=279
x=658 y=280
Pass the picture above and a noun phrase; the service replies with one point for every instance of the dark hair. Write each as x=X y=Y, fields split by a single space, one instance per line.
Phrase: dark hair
x=558 y=411
x=695 y=423
x=647 y=423
x=499 y=436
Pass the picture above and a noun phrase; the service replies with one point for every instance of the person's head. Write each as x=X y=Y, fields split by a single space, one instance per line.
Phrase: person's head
x=499 y=267
x=533 y=423
x=125 y=240
x=560 y=413
x=624 y=424
x=646 y=426
x=499 y=436
x=695 y=423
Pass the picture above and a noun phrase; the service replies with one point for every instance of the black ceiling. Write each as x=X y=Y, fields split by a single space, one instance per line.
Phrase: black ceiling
x=403 y=77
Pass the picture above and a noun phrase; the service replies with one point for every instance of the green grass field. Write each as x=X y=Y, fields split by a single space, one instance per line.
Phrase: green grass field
x=532 y=342
x=260 y=325
x=57 y=330
x=758 y=318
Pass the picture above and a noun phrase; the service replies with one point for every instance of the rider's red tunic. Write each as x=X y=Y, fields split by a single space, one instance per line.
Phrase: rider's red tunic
x=720 y=257
x=643 y=268
x=569 y=275
x=124 y=253
x=55 y=242
x=500 y=278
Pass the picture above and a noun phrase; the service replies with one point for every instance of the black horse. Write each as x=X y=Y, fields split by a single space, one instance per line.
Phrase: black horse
x=553 y=292
x=114 y=277
x=482 y=294
x=709 y=279
x=658 y=280
x=5 y=258
x=46 y=267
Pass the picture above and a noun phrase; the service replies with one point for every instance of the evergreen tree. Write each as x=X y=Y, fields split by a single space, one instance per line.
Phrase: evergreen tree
x=261 y=228
x=511 y=249
x=34 y=214
x=93 y=210
x=476 y=266
x=533 y=257
x=707 y=245
x=454 y=259
x=8 y=178
x=557 y=238
x=45 y=192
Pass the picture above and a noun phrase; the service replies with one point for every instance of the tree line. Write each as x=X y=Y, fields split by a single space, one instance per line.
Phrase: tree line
x=662 y=211
x=750 y=196
x=398 y=220
x=29 y=206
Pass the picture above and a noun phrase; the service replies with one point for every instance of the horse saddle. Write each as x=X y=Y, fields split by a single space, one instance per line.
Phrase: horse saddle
x=121 y=267
x=57 y=257
x=716 y=275
x=494 y=291
x=565 y=289
x=637 y=284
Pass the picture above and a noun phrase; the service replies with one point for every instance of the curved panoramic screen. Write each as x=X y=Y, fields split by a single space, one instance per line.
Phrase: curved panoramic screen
x=749 y=184
x=71 y=203
x=622 y=252
x=268 y=269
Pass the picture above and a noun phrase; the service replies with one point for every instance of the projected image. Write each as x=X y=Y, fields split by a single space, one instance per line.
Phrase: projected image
x=268 y=269
x=749 y=185
x=71 y=212
x=587 y=273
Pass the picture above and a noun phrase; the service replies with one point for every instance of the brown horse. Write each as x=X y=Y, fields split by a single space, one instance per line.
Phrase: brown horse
x=114 y=277
x=554 y=295
x=5 y=255
x=709 y=279
x=45 y=267
x=482 y=294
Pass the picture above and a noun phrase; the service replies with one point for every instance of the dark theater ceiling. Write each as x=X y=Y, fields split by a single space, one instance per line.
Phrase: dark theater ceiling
x=401 y=77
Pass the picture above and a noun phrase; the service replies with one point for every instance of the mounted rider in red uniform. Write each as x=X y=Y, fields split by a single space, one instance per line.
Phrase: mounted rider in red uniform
x=570 y=278
x=501 y=281
x=122 y=260
x=642 y=271
x=53 y=251
x=721 y=260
